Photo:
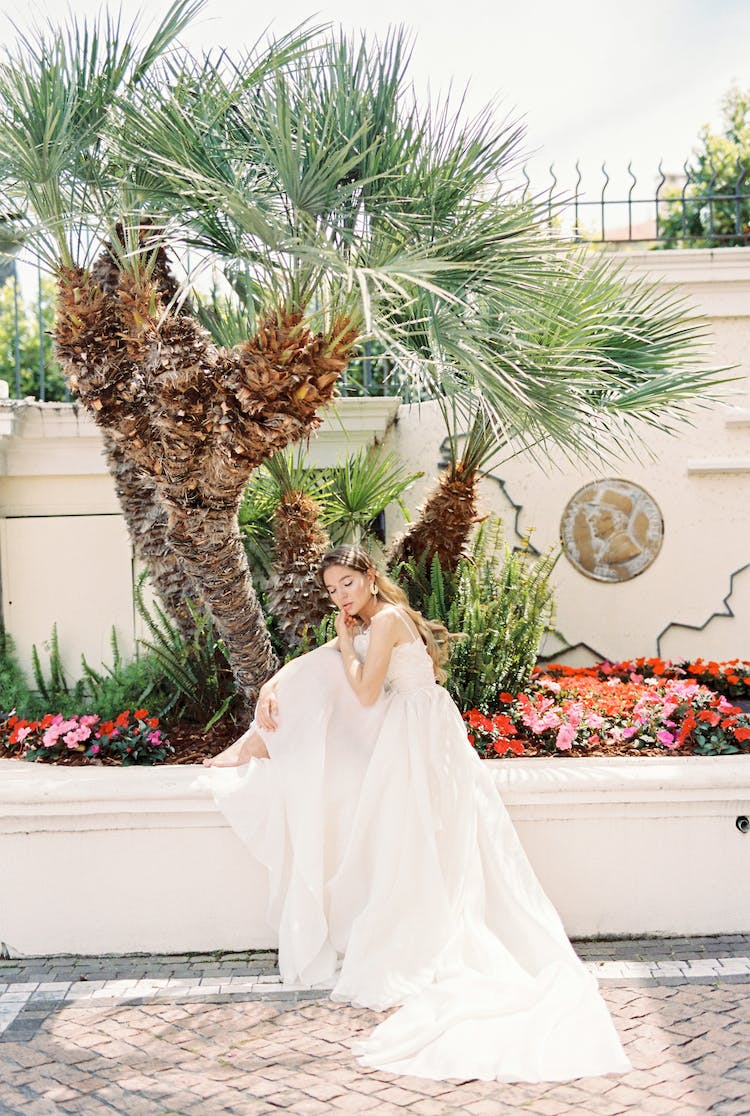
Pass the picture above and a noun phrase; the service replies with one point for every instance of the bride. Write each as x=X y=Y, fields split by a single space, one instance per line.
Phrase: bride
x=396 y=876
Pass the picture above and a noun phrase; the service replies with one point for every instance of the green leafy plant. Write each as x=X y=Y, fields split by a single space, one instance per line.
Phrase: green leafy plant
x=125 y=685
x=54 y=690
x=197 y=670
x=14 y=691
x=499 y=600
x=314 y=636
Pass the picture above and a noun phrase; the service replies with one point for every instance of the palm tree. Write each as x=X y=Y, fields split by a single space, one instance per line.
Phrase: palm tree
x=340 y=211
x=163 y=393
x=292 y=513
x=295 y=595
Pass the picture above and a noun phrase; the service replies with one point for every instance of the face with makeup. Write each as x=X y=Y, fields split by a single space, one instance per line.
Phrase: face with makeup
x=350 y=590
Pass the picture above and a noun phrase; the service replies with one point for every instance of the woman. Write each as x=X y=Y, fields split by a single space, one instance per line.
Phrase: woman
x=396 y=874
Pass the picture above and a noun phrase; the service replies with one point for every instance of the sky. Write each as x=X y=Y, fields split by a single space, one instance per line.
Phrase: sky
x=595 y=80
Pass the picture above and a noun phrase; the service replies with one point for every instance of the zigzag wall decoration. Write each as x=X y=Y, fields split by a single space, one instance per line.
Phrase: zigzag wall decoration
x=727 y=614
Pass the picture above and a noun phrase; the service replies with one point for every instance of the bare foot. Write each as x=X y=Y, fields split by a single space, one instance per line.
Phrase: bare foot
x=248 y=747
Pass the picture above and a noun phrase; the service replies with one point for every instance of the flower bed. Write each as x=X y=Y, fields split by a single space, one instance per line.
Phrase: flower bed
x=642 y=707
x=637 y=707
x=125 y=740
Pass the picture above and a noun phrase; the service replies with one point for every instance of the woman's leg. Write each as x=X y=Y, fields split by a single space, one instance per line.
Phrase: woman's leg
x=249 y=746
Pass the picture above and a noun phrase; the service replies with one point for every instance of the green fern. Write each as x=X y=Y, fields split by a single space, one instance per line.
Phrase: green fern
x=197 y=670
x=54 y=690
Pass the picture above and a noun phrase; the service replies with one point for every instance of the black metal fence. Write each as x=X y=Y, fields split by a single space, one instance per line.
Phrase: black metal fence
x=701 y=206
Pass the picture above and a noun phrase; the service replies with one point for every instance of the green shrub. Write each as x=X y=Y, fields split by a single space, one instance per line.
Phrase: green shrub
x=197 y=670
x=14 y=691
x=499 y=601
x=125 y=685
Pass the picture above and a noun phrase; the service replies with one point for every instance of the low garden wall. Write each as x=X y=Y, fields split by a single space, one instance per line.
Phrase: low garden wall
x=108 y=860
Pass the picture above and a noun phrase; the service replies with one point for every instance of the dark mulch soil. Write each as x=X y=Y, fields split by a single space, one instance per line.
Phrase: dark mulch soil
x=192 y=745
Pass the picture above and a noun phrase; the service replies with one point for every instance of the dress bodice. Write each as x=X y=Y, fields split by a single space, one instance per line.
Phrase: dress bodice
x=410 y=667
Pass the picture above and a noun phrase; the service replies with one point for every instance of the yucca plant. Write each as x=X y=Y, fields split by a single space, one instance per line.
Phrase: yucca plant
x=444 y=522
x=350 y=497
x=360 y=489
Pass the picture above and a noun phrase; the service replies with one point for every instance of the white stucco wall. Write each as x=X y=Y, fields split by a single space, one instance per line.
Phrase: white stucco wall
x=621 y=846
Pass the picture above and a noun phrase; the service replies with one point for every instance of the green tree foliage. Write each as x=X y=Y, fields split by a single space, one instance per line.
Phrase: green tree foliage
x=711 y=211
x=28 y=342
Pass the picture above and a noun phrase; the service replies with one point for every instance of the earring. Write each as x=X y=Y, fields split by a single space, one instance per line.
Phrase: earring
x=374 y=589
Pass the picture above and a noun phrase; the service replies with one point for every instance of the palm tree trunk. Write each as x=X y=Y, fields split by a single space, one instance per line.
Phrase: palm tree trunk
x=146 y=520
x=443 y=522
x=209 y=546
x=295 y=595
x=196 y=420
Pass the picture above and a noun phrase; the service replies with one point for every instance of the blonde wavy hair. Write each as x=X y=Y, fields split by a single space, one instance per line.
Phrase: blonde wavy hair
x=433 y=634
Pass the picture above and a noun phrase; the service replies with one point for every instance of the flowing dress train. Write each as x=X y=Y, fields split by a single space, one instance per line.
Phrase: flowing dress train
x=398 y=880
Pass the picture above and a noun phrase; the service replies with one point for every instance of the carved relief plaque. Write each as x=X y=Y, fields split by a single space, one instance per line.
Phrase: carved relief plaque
x=611 y=530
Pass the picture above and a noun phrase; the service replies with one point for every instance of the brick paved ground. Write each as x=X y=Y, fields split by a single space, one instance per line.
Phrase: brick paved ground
x=207 y=1035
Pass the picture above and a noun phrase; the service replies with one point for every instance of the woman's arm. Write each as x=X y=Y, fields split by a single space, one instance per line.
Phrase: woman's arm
x=366 y=679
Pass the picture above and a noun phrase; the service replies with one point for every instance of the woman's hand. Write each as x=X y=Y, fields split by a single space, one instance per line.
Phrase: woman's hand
x=267 y=707
x=345 y=626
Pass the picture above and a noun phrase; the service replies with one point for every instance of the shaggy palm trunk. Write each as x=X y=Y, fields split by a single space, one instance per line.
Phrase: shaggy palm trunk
x=209 y=546
x=146 y=520
x=295 y=595
x=443 y=522
x=196 y=420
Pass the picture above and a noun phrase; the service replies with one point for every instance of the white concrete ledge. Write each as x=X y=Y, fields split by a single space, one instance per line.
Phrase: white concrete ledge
x=712 y=465
x=138 y=859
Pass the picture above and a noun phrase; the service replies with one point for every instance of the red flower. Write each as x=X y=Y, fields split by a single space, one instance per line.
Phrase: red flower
x=503 y=725
x=710 y=716
x=140 y=714
x=741 y=733
x=506 y=697
x=478 y=720
x=503 y=746
x=122 y=720
x=153 y=722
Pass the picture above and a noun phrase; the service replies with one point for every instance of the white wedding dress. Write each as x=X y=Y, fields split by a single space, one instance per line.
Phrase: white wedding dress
x=398 y=880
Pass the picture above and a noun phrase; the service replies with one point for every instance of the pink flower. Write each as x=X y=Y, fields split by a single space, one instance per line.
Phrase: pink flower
x=666 y=738
x=565 y=737
x=94 y=749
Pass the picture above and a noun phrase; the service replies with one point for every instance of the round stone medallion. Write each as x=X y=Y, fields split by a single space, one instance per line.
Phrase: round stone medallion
x=611 y=530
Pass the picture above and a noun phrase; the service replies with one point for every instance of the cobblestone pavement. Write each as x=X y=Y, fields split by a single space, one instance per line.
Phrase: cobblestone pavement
x=215 y=1034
